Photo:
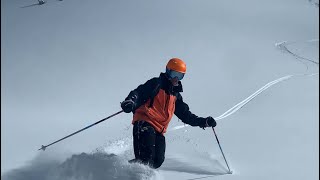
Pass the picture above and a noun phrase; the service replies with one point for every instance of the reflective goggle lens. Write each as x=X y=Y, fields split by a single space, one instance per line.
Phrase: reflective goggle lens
x=172 y=74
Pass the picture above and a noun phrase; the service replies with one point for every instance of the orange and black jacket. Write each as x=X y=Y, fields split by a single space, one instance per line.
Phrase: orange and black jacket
x=157 y=100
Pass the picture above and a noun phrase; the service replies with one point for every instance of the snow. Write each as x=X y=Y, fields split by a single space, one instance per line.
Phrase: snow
x=252 y=65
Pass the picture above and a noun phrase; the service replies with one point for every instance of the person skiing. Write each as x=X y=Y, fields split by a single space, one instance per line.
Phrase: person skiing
x=153 y=105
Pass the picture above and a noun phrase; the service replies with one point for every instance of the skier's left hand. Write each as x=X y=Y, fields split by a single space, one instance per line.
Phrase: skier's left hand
x=208 y=122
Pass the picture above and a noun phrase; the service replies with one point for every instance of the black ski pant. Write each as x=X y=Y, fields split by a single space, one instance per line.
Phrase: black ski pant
x=149 y=145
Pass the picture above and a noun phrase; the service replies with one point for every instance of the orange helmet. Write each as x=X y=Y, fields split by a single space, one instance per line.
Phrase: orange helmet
x=177 y=64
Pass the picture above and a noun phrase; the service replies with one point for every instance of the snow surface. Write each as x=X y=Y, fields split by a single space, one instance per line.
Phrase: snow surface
x=253 y=65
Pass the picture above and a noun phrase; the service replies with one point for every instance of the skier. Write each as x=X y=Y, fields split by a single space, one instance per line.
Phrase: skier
x=153 y=105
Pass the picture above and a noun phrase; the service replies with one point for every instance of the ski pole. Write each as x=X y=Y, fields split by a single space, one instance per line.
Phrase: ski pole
x=221 y=150
x=44 y=147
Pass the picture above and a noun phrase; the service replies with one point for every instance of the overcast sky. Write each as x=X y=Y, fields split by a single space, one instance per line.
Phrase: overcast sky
x=67 y=64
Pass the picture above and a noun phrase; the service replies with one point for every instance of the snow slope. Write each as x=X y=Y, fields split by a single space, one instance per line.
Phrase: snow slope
x=251 y=65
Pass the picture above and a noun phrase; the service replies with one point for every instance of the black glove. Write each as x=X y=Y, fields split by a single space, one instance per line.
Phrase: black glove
x=209 y=122
x=127 y=106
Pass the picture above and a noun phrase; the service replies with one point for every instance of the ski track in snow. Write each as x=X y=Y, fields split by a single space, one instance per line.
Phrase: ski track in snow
x=284 y=47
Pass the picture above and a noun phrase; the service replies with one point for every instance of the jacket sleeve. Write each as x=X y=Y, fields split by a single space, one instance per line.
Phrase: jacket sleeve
x=143 y=92
x=182 y=112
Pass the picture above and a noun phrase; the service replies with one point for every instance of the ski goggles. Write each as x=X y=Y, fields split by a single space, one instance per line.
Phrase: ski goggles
x=174 y=74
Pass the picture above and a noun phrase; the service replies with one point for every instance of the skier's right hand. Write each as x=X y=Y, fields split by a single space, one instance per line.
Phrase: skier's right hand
x=127 y=106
